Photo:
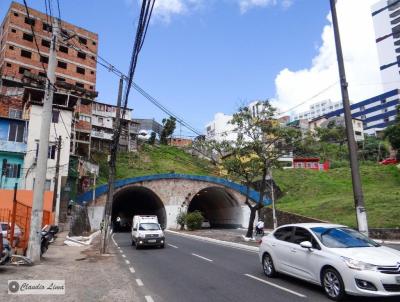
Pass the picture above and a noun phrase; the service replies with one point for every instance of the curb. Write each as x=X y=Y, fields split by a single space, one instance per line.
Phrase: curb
x=217 y=241
x=383 y=241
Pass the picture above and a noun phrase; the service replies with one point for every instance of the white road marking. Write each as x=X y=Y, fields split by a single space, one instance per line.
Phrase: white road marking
x=132 y=270
x=123 y=256
x=139 y=282
x=121 y=251
x=127 y=262
x=202 y=257
x=149 y=299
x=171 y=245
x=277 y=286
x=112 y=237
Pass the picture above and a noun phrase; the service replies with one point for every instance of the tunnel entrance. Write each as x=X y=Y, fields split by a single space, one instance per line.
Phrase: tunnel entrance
x=136 y=200
x=218 y=206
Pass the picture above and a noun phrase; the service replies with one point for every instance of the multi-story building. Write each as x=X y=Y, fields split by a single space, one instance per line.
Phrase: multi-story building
x=317 y=109
x=146 y=126
x=386 y=19
x=22 y=83
x=376 y=113
x=103 y=124
x=324 y=122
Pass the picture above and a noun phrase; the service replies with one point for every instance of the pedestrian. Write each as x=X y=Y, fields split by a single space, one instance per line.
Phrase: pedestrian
x=260 y=227
x=101 y=225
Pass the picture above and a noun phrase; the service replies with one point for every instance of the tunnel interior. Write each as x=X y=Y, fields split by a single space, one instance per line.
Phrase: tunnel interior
x=218 y=206
x=136 y=200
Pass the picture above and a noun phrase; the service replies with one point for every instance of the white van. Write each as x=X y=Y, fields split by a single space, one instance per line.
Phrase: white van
x=146 y=231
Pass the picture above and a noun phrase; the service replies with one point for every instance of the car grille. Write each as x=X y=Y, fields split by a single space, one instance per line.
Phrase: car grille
x=151 y=236
x=392 y=287
x=389 y=269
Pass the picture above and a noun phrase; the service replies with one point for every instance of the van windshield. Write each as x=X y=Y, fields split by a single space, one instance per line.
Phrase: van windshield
x=149 y=227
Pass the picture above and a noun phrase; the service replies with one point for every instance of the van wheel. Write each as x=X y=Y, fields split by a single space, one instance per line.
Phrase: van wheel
x=333 y=284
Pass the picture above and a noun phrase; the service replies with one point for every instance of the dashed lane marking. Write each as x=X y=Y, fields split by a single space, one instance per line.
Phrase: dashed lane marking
x=171 y=245
x=204 y=258
x=139 y=282
x=132 y=270
x=149 y=299
x=277 y=286
x=127 y=262
x=123 y=256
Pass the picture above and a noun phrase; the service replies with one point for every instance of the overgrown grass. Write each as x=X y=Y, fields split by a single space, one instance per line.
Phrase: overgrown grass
x=329 y=196
x=154 y=160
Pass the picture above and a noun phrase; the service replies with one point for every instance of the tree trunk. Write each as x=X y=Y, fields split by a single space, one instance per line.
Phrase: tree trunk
x=253 y=211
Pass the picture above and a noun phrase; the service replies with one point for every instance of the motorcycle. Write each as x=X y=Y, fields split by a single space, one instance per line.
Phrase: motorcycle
x=48 y=236
x=5 y=250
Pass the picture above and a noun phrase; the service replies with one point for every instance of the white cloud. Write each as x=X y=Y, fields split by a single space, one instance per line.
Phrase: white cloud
x=220 y=129
x=360 y=55
x=245 y=5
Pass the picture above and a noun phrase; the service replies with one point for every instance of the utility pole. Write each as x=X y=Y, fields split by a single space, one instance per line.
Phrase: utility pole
x=274 y=220
x=111 y=176
x=40 y=176
x=56 y=194
x=355 y=172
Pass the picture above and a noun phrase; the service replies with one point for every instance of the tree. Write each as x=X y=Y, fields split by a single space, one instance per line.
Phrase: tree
x=169 y=126
x=392 y=133
x=261 y=141
x=152 y=138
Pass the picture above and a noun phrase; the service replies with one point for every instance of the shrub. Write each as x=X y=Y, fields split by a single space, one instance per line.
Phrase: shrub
x=194 y=220
x=181 y=219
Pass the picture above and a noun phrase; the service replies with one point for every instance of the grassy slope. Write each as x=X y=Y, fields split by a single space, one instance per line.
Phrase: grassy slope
x=328 y=195
x=154 y=160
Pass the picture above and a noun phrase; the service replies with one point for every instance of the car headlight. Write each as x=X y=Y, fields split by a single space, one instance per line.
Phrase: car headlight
x=359 y=265
x=142 y=235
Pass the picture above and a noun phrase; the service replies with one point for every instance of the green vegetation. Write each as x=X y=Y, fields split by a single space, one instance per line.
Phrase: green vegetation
x=194 y=220
x=329 y=196
x=153 y=160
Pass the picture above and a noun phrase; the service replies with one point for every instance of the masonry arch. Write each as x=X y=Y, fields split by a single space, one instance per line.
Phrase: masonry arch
x=136 y=200
x=218 y=206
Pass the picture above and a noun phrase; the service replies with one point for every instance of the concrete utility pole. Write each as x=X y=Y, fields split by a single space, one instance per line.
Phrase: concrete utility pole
x=274 y=220
x=56 y=194
x=41 y=168
x=355 y=172
x=111 y=177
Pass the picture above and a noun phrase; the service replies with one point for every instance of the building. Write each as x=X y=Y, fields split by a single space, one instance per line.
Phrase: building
x=317 y=109
x=386 y=19
x=146 y=126
x=310 y=163
x=376 y=113
x=103 y=124
x=180 y=142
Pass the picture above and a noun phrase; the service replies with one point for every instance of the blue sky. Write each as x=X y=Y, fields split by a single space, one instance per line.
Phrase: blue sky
x=207 y=57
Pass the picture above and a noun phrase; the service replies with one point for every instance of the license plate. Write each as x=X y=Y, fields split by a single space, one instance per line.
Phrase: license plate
x=398 y=280
x=152 y=241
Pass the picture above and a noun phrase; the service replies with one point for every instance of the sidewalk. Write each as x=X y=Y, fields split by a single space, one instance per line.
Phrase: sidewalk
x=88 y=275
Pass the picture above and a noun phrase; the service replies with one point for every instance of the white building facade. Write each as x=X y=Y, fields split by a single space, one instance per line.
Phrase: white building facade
x=316 y=110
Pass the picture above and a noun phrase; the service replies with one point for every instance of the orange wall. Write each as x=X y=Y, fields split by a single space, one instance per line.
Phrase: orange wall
x=25 y=197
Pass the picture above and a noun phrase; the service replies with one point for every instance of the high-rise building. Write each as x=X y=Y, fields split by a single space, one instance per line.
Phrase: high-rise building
x=386 y=18
x=317 y=109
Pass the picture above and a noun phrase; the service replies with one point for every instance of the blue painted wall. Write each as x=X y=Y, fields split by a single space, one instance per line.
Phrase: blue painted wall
x=6 y=182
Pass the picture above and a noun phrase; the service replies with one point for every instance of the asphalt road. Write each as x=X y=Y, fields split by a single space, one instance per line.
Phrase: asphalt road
x=192 y=270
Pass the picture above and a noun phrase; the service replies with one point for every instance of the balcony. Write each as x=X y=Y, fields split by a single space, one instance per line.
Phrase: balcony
x=14 y=147
x=102 y=135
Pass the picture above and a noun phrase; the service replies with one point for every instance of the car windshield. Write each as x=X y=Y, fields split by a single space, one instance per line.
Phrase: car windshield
x=149 y=227
x=342 y=238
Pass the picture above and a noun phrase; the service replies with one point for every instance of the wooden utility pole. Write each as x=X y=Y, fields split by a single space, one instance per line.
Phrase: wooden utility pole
x=41 y=168
x=56 y=194
x=111 y=170
x=355 y=171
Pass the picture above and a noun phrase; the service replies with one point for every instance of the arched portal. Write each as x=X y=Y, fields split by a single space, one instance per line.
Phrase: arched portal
x=218 y=206
x=135 y=200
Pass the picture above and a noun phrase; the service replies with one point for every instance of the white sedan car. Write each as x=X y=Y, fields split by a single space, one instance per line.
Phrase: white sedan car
x=336 y=257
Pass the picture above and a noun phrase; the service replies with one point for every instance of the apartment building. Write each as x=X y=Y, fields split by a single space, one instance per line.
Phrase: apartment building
x=317 y=109
x=22 y=84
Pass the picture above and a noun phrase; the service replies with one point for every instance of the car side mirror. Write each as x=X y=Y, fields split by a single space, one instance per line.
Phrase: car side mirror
x=306 y=244
x=135 y=229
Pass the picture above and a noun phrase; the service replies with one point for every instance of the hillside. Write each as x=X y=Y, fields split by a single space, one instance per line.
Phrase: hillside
x=154 y=160
x=329 y=196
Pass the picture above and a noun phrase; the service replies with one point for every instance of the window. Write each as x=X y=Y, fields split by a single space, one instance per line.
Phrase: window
x=47 y=27
x=30 y=21
x=81 y=55
x=395 y=21
x=60 y=79
x=46 y=43
x=44 y=59
x=80 y=70
x=42 y=74
x=55 y=116
x=94 y=42
x=23 y=69
x=301 y=235
x=363 y=117
x=84 y=118
x=16 y=132
x=386 y=119
x=93 y=58
x=80 y=85
x=15 y=113
x=284 y=233
x=91 y=72
x=62 y=64
x=52 y=152
x=47 y=185
x=383 y=101
x=8 y=65
x=91 y=87
x=27 y=37
x=358 y=133
x=26 y=54
x=395 y=14
x=12 y=170
x=100 y=119
x=63 y=49
x=13 y=30
x=362 y=108
x=82 y=40
x=16 y=14
x=11 y=47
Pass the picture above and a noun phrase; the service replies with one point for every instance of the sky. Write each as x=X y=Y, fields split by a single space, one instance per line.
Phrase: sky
x=204 y=57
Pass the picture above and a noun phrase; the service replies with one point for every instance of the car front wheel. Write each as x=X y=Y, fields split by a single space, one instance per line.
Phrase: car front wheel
x=268 y=266
x=333 y=284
